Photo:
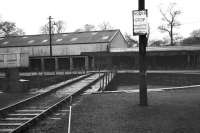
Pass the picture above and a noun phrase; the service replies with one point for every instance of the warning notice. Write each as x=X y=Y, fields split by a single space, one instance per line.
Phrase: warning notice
x=140 y=24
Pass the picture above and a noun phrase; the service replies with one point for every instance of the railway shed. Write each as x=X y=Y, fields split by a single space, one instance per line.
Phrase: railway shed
x=67 y=49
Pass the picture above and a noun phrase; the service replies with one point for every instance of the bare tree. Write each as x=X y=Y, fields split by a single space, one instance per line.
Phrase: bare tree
x=195 y=33
x=45 y=29
x=105 y=26
x=130 y=41
x=60 y=26
x=178 y=39
x=157 y=43
x=57 y=27
x=170 y=22
x=194 y=38
x=9 y=29
x=78 y=30
x=89 y=27
x=86 y=27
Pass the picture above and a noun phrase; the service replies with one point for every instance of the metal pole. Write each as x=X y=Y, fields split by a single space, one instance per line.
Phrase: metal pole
x=99 y=80
x=142 y=62
x=108 y=77
x=103 y=81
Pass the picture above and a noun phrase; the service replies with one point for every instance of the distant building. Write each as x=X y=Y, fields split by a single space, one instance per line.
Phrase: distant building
x=68 y=49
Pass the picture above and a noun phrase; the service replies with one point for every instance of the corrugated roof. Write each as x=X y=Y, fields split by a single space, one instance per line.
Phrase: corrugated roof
x=58 y=39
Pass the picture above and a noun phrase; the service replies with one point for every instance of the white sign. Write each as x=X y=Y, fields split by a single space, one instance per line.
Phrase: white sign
x=140 y=25
x=9 y=60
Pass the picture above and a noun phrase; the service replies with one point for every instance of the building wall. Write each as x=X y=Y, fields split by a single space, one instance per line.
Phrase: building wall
x=118 y=41
x=77 y=49
x=103 y=62
x=161 y=62
x=58 y=50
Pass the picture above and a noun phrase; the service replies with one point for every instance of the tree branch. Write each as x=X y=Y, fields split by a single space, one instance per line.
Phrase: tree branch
x=163 y=28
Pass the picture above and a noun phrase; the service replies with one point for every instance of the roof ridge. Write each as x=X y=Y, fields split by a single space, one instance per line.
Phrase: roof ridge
x=111 y=39
x=94 y=31
x=102 y=36
x=68 y=33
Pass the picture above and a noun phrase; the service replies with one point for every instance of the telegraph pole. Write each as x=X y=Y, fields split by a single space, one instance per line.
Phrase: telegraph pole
x=50 y=41
x=142 y=62
x=50 y=36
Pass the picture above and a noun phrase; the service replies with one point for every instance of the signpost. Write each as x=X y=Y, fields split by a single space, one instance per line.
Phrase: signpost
x=140 y=27
x=140 y=22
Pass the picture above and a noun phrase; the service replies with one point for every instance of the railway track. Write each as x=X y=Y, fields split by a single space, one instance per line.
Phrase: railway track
x=20 y=116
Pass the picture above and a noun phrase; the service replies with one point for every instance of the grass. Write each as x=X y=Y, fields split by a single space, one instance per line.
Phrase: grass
x=168 y=112
x=166 y=79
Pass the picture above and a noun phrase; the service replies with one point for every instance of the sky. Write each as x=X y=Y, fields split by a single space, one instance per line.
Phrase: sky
x=30 y=15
